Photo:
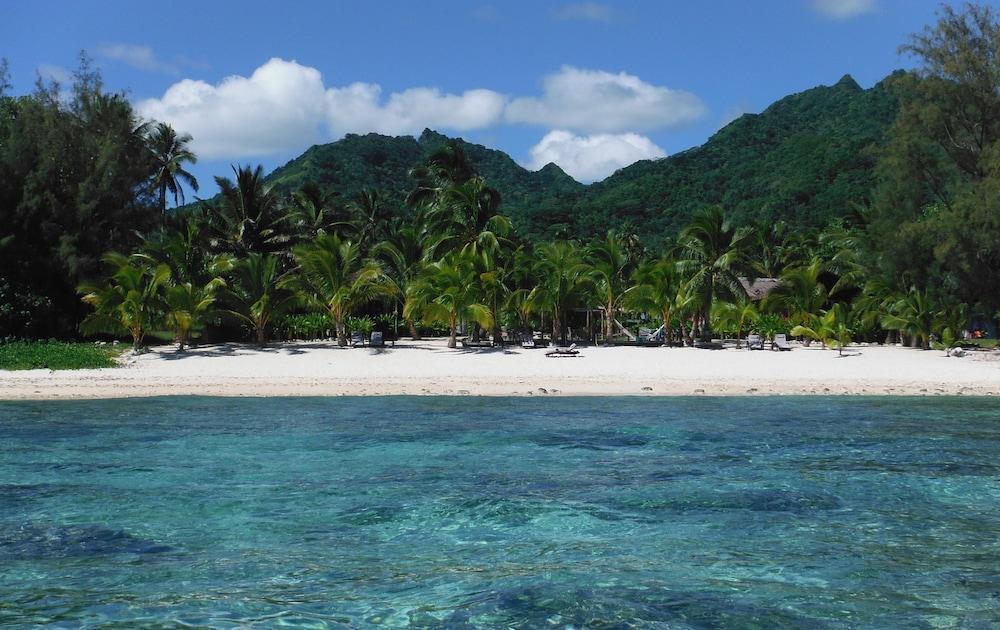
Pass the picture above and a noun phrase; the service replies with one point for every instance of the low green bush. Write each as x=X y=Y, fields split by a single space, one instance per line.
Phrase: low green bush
x=57 y=355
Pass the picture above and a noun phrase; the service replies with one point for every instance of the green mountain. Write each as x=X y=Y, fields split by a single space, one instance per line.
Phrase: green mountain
x=805 y=159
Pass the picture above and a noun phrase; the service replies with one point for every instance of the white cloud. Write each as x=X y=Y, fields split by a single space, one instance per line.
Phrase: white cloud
x=593 y=101
x=844 y=9
x=279 y=107
x=586 y=11
x=284 y=106
x=139 y=57
x=591 y=158
x=358 y=108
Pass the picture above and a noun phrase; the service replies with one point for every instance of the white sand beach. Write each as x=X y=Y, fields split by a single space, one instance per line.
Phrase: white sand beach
x=430 y=368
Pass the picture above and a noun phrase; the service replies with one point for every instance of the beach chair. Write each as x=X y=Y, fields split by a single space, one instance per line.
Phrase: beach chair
x=563 y=352
x=357 y=339
x=376 y=341
x=755 y=342
x=780 y=343
x=527 y=341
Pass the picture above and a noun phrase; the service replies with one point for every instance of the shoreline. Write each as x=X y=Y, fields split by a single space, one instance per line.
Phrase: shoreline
x=429 y=368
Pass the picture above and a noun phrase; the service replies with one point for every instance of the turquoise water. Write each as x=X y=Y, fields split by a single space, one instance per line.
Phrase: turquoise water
x=635 y=512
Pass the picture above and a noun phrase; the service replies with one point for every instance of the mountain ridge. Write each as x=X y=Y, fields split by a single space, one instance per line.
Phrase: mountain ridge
x=804 y=159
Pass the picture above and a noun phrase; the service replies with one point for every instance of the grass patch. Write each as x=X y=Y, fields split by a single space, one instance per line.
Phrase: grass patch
x=57 y=355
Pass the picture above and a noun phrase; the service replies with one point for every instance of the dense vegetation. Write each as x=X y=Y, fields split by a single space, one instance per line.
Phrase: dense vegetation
x=877 y=210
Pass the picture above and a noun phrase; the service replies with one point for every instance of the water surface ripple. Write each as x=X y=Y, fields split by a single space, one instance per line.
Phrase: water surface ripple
x=583 y=512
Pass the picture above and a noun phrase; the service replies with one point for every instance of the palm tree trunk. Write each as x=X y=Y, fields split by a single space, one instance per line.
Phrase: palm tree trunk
x=556 y=325
x=414 y=333
x=341 y=333
x=163 y=198
x=261 y=339
x=609 y=324
x=452 y=340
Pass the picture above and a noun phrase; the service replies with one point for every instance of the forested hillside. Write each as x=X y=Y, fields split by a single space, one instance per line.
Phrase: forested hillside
x=806 y=159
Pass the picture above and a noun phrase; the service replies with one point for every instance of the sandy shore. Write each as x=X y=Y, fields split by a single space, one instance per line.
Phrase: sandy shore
x=430 y=368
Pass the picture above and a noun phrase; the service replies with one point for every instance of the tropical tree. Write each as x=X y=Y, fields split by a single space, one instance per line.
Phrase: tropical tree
x=657 y=291
x=370 y=216
x=257 y=294
x=311 y=212
x=445 y=293
x=914 y=314
x=713 y=256
x=736 y=316
x=561 y=274
x=333 y=275
x=466 y=217
x=800 y=294
x=401 y=257
x=831 y=327
x=249 y=217
x=186 y=305
x=610 y=269
x=130 y=301
x=170 y=153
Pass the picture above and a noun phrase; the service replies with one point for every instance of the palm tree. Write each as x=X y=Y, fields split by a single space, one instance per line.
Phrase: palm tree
x=713 y=255
x=248 y=218
x=446 y=293
x=832 y=326
x=561 y=275
x=257 y=293
x=914 y=314
x=610 y=269
x=370 y=217
x=656 y=288
x=170 y=153
x=466 y=216
x=186 y=305
x=311 y=212
x=401 y=256
x=737 y=315
x=801 y=294
x=333 y=275
x=130 y=301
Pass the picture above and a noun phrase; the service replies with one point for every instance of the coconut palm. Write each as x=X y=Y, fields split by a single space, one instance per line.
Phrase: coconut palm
x=248 y=218
x=170 y=154
x=257 y=294
x=610 y=268
x=130 y=301
x=713 y=256
x=401 y=257
x=561 y=273
x=736 y=316
x=800 y=294
x=656 y=289
x=370 y=216
x=445 y=293
x=186 y=305
x=914 y=314
x=311 y=212
x=466 y=216
x=333 y=275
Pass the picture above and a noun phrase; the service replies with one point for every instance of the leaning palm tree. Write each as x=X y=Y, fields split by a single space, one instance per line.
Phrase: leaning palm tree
x=610 y=269
x=656 y=289
x=713 y=255
x=130 y=302
x=445 y=293
x=256 y=293
x=738 y=316
x=170 y=153
x=333 y=275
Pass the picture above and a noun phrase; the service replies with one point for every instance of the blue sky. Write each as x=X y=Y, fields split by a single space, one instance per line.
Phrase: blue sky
x=590 y=85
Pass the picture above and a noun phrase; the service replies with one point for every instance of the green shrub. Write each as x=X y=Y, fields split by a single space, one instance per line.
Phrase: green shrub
x=56 y=355
x=305 y=326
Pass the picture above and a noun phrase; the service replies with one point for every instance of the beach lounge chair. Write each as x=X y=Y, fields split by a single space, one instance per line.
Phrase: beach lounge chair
x=527 y=341
x=755 y=342
x=357 y=339
x=376 y=341
x=780 y=343
x=563 y=352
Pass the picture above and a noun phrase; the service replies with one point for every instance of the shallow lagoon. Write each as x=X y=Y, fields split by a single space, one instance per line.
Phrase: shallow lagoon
x=687 y=512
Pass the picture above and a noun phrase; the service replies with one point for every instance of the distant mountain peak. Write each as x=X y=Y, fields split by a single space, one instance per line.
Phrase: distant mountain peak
x=847 y=81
